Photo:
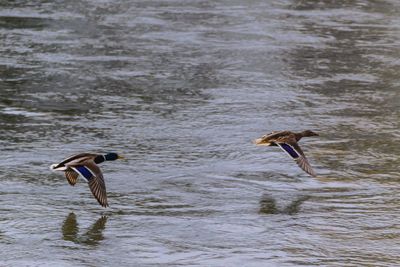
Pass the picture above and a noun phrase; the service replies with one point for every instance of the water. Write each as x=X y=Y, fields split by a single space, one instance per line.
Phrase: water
x=181 y=88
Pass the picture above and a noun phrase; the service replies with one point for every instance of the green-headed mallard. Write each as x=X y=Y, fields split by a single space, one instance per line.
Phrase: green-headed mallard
x=287 y=141
x=85 y=165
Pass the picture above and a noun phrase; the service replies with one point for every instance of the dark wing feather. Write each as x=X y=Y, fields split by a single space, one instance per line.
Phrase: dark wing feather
x=295 y=152
x=303 y=162
x=71 y=176
x=97 y=184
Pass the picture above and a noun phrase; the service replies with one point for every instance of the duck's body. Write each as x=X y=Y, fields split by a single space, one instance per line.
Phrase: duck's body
x=287 y=141
x=85 y=165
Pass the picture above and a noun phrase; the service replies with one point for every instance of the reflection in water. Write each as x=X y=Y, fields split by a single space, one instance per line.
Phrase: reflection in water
x=268 y=205
x=70 y=228
x=92 y=237
x=294 y=206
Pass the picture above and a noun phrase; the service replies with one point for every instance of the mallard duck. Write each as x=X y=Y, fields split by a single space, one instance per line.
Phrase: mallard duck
x=85 y=165
x=287 y=141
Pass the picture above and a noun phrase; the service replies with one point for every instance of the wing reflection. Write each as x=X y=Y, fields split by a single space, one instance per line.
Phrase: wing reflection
x=95 y=233
x=268 y=205
x=294 y=206
x=70 y=228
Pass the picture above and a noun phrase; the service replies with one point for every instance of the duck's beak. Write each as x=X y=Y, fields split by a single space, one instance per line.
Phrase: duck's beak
x=121 y=157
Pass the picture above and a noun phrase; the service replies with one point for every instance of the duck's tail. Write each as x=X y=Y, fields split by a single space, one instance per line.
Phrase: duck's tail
x=54 y=167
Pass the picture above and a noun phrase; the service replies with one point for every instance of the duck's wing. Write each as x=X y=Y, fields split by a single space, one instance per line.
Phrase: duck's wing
x=97 y=184
x=276 y=134
x=93 y=175
x=72 y=176
x=295 y=152
x=76 y=159
x=272 y=138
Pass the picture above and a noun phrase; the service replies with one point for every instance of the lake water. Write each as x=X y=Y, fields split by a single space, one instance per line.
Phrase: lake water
x=181 y=88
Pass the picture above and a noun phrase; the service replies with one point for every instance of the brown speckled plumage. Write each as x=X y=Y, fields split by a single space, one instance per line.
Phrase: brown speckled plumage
x=287 y=141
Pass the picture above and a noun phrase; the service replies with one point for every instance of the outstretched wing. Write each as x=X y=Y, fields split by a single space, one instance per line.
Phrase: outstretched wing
x=97 y=184
x=71 y=176
x=295 y=152
x=93 y=175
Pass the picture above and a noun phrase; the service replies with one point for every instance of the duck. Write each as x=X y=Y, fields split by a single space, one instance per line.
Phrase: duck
x=288 y=142
x=85 y=166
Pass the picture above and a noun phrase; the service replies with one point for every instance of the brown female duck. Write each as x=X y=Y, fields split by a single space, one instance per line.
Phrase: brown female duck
x=287 y=141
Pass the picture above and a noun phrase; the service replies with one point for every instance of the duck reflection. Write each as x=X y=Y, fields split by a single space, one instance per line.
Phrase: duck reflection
x=70 y=228
x=268 y=205
x=92 y=237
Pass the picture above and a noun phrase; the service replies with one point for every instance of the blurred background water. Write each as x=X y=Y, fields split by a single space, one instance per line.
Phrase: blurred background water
x=181 y=88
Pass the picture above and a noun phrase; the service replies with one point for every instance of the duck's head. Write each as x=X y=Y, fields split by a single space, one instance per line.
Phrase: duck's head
x=112 y=156
x=308 y=133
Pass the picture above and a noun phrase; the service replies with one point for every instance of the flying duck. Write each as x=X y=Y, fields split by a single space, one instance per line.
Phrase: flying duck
x=287 y=141
x=85 y=165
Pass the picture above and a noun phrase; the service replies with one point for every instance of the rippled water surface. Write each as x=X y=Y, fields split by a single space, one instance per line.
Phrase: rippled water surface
x=181 y=88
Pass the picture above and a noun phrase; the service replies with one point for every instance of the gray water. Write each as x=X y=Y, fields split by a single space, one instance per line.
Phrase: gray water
x=181 y=88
